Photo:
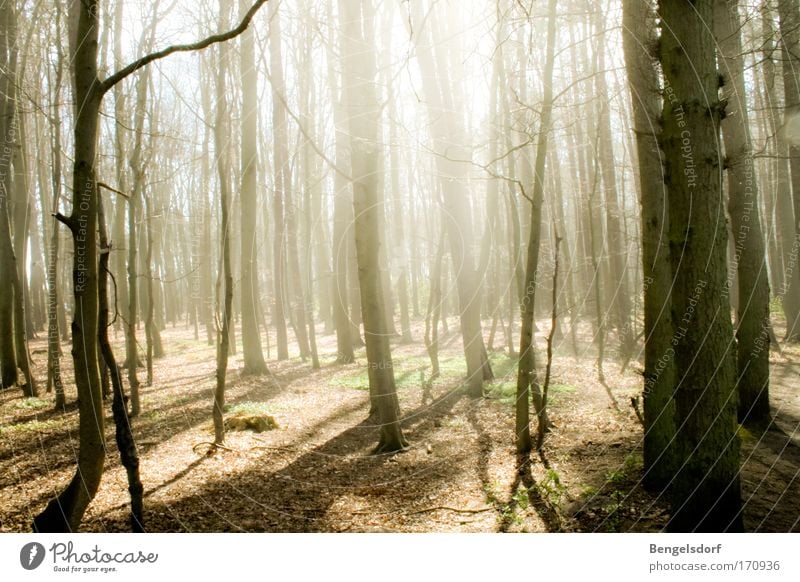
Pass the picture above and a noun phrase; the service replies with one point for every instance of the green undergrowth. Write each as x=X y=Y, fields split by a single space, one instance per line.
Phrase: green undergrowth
x=505 y=390
x=32 y=426
x=409 y=372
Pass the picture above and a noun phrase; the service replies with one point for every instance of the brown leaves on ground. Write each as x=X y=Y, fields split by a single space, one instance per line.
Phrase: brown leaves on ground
x=313 y=470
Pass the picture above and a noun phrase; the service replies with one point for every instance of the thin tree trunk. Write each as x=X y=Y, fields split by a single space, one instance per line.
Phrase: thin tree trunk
x=527 y=382
x=129 y=456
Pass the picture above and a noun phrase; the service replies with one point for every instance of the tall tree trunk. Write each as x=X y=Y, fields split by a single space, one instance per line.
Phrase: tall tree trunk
x=706 y=489
x=8 y=353
x=619 y=303
x=251 y=338
x=53 y=333
x=223 y=335
x=527 y=382
x=281 y=182
x=789 y=14
x=446 y=130
x=787 y=290
x=639 y=38
x=64 y=513
x=753 y=327
x=363 y=111
x=342 y=218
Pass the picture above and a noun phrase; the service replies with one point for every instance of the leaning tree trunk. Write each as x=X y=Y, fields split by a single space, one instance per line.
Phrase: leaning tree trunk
x=706 y=489
x=129 y=456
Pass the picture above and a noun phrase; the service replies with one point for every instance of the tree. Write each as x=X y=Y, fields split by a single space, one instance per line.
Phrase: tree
x=527 y=382
x=362 y=104
x=619 y=303
x=64 y=513
x=706 y=489
x=449 y=137
x=221 y=147
x=281 y=182
x=251 y=339
x=342 y=217
x=789 y=14
x=749 y=258
x=8 y=354
x=639 y=38
x=53 y=335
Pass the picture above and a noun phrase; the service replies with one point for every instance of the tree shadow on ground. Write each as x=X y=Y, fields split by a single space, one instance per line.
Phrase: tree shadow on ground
x=523 y=475
x=294 y=496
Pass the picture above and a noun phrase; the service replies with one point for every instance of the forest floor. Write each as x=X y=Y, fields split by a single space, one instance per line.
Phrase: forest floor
x=315 y=471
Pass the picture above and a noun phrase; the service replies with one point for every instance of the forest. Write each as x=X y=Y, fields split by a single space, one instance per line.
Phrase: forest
x=399 y=266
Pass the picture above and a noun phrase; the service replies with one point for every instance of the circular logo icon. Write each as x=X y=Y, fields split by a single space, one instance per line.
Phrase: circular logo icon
x=31 y=555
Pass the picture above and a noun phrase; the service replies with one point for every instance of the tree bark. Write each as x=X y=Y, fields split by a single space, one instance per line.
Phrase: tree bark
x=281 y=182
x=639 y=43
x=64 y=513
x=706 y=490
x=251 y=338
x=752 y=332
x=527 y=381
x=789 y=14
x=363 y=110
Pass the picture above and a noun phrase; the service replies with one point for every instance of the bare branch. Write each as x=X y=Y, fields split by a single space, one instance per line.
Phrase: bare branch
x=181 y=48
x=114 y=190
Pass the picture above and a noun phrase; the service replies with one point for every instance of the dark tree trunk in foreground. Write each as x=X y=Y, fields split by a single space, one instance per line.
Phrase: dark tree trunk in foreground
x=129 y=456
x=64 y=513
x=639 y=38
x=8 y=354
x=706 y=490
x=749 y=256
